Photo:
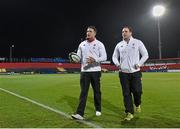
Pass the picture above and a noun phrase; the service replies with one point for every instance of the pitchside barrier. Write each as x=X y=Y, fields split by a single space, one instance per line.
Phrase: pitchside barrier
x=47 y=68
x=164 y=65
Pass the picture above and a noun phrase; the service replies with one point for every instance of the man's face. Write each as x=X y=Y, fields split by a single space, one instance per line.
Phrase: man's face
x=90 y=34
x=126 y=34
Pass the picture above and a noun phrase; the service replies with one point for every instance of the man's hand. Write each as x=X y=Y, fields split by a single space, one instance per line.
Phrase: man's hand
x=136 y=66
x=90 y=60
x=119 y=66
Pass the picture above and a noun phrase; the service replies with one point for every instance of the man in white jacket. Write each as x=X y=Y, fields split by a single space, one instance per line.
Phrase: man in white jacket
x=92 y=52
x=126 y=57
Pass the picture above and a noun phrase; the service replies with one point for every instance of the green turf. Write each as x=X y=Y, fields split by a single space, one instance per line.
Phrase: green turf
x=160 y=101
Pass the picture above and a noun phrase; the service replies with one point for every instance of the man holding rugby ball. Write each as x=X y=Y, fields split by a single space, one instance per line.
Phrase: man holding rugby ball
x=91 y=52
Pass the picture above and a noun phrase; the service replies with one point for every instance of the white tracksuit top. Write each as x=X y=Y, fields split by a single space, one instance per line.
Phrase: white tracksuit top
x=127 y=55
x=93 y=49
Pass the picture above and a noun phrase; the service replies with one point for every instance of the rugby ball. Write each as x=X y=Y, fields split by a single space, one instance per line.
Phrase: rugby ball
x=73 y=57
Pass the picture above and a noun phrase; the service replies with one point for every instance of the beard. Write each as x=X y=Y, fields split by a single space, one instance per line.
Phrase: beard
x=90 y=39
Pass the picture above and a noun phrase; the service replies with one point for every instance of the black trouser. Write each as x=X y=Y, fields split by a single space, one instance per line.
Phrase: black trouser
x=131 y=85
x=85 y=80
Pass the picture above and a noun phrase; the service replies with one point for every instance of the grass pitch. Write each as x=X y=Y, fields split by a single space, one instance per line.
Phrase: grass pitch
x=160 y=101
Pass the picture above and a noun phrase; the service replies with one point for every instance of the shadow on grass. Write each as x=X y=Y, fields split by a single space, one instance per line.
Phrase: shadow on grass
x=109 y=106
x=71 y=124
x=132 y=123
x=112 y=116
x=152 y=121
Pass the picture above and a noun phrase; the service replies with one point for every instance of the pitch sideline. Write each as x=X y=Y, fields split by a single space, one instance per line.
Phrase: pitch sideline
x=49 y=108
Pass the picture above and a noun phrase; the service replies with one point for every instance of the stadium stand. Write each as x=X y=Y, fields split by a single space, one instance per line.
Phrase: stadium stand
x=51 y=66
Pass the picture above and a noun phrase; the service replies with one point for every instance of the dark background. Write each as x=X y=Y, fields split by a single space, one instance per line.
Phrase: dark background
x=53 y=28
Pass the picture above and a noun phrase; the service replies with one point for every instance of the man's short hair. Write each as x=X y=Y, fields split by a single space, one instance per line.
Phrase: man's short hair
x=93 y=27
x=129 y=27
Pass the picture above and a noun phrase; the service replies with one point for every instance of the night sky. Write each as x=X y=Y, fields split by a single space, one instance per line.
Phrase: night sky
x=53 y=28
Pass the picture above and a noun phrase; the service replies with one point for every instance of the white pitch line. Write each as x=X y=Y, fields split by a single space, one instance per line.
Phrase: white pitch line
x=49 y=108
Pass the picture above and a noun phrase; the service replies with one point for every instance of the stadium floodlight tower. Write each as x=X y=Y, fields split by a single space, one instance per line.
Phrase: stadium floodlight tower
x=158 y=11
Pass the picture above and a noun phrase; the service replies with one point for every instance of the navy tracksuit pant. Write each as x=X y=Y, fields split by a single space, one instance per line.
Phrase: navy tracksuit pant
x=86 y=79
x=132 y=89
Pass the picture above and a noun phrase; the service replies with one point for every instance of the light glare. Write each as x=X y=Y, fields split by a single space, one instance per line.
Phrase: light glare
x=158 y=10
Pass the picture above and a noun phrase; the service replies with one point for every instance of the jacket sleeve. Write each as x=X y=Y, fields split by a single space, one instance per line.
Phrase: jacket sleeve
x=116 y=56
x=102 y=54
x=144 y=54
x=79 y=52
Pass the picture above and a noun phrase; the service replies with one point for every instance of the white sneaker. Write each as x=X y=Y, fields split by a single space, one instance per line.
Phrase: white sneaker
x=138 y=109
x=98 y=113
x=77 y=116
x=129 y=116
